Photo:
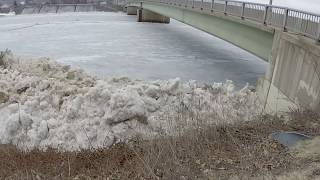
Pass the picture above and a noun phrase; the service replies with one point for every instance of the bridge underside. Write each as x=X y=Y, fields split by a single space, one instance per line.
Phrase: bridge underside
x=293 y=77
x=257 y=41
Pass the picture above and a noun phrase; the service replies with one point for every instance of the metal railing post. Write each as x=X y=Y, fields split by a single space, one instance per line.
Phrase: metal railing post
x=242 y=10
x=285 y=19
x=192 y=3
x=58 y=6
x=201 y=5
x=318 y=34
x=186 y=3
x=40 y=8
x=225 y=7
x=265 y=15
x=212 y=5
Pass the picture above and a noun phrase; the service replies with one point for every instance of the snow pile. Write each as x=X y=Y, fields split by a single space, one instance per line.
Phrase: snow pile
x=44 y=104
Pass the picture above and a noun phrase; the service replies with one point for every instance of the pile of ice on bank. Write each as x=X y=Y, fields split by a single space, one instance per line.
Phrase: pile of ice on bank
x=44 y=104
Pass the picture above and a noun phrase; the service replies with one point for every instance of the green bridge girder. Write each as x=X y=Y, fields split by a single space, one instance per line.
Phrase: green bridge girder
x=253 y=39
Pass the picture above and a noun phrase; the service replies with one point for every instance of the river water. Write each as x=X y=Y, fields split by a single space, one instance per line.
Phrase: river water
x=114 y=44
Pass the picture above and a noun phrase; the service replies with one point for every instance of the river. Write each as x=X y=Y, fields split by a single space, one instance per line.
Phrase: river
x=114 y=44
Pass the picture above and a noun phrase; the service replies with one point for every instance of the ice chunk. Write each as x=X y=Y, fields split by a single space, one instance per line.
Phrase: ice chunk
x=51 y=106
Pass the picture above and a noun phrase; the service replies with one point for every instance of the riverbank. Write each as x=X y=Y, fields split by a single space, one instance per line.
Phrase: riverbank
x=59 y=122
x=239 y=151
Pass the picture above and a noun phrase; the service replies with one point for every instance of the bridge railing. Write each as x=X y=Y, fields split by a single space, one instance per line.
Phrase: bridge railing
x=293 y=20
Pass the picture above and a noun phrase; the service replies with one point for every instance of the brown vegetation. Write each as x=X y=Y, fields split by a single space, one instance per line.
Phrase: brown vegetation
x=231 y=151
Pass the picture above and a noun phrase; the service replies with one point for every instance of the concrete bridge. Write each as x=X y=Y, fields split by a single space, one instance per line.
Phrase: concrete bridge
x=286 y=38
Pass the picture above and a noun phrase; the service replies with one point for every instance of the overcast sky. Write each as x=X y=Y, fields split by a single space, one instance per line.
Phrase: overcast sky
x=306 y=5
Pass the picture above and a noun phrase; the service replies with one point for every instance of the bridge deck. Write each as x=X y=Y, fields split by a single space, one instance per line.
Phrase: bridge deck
x=305 y=23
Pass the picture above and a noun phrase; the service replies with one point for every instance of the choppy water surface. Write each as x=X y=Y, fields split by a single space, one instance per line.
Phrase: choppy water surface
x=114 y=44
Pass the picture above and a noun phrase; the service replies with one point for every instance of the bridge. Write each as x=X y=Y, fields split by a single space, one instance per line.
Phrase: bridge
x=286 y=38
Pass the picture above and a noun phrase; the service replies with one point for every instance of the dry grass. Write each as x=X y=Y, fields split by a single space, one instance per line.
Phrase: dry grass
x=241 y=150
x=238 y=151
x=54 y=165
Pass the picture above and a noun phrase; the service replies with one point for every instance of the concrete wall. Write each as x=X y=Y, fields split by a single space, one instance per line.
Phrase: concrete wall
x=132 y=10
x=293 y=78
x=149 y=16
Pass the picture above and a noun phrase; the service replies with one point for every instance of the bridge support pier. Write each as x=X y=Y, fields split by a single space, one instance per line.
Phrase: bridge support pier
x=132 y=10
x=149 y=16
x=124 y=9
x=293 y=78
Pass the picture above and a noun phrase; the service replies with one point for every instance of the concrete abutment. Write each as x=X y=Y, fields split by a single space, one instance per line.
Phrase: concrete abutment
x=293 y=78
x=149 y=16
x=132 y=10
